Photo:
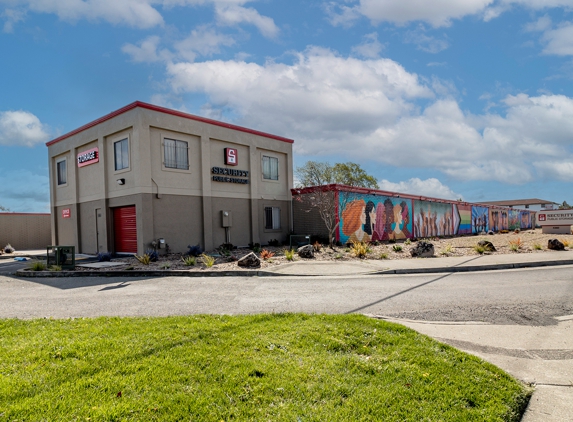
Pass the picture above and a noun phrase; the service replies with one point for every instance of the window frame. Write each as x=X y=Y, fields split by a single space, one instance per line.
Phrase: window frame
x=59 y=183
x=163 y=153
x=123 y=169
x=275 y=223
x=270 y=178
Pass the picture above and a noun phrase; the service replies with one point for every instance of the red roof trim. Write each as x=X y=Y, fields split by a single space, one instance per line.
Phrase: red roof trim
x=166 y=111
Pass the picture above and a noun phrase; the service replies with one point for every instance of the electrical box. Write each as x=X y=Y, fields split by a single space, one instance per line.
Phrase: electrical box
x=226 y=219
x=161 y=243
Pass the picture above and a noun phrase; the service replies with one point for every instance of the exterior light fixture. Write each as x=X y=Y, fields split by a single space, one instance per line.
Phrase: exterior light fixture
x=120 y=181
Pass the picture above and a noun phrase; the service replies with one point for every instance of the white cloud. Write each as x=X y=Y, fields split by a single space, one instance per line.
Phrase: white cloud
x=430 y=187
x=136 y=13
x=11 y=17
x=370 y=47
x=146 y=51
x=371 y=110
x=202 y=41
x=559 y=41
x=426 y=42
x=541 y=24
x=21 y=128
x=555 y=169
x=233 y=14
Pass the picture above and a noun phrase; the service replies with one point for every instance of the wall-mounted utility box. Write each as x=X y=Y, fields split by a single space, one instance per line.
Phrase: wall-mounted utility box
x=226 y=219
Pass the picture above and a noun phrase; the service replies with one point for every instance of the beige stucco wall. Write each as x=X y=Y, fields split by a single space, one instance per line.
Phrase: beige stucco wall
x=182 y=206
x=25 y=231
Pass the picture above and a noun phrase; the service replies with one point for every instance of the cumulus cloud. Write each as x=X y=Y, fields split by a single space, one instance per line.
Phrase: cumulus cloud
x=370 y=46
x=231 y=14
x=146 y=51
x=204 y=41
x=21 y=128
x=374 y=110
x=430 y=187
x=559 y=41
x=437 y=13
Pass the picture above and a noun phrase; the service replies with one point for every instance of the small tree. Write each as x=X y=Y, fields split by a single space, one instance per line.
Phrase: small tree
x=4 y=209
x=565 y=206
x=324 y=199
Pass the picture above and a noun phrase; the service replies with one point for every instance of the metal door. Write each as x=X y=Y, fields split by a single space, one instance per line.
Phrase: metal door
x=125 y=229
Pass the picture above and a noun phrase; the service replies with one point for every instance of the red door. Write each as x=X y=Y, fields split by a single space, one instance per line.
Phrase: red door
x=125 y=229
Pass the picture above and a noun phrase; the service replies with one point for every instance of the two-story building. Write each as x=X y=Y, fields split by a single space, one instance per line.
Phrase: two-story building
x=145 y=174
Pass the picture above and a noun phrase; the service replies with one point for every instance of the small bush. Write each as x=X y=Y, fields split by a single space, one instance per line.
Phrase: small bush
x=338 y=256
x=360 y=249
x=153 y=255
x=565 y=242
x=194 y=250
x=317 y=246
x=448 y=249
x=37 y=266
x=479 y=249
x=515 y=244
x=104 y=256
x=144 y=259
x=255 y=247
x=537 y=246
x=165 y=266
x=274 y=242
x=392 y=240
x=207 y=260
x=407 y=242
x=397 y=248
x=265 y=254
x=55 y=268
x=9 y=249
x=383 y=255
x=189 y=260
x=289 y=254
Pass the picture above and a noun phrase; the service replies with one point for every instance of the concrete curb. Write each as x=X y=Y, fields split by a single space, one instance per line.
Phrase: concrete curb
x=260 y=273
x=473 y=268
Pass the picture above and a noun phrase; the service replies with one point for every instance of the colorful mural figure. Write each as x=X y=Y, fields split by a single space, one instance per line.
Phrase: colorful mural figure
x=496 y=219
x=525 y=218
x=365 y=218
x=514 y=220
x=432 y=219
x=480 y=219
x=462 y=219
x=504 y=220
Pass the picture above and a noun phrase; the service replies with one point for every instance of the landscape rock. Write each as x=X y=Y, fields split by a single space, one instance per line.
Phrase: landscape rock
x=251 y=261
x=306 y=251
x=555 y=245
x=487 y=245
x=422 y=250
x=491 y=233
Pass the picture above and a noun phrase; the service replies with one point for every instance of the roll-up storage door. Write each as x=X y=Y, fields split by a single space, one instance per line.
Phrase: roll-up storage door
x=125 y=229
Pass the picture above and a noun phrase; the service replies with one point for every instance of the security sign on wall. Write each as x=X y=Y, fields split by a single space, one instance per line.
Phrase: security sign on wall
x=88 y=157
x=231 y=157
x=66 y=213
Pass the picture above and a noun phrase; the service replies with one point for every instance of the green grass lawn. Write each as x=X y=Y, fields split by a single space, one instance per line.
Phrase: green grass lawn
x=289 y=367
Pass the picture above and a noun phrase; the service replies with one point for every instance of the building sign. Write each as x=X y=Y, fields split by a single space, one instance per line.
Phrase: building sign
x=221 y=174
x=231 y=157
x=66 y=213
x=88 y=157
x=555 y=218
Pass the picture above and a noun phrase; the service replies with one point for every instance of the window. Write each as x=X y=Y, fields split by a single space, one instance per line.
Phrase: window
x=62 y=172
x=270 y=168
x=527 y=206
x=121 y=151
x=175 y=153
x=272 y=218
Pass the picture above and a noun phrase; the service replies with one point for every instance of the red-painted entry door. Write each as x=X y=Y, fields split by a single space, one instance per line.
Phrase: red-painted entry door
x=125 y=229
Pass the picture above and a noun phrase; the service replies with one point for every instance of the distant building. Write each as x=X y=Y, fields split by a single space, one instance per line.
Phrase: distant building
x=533 y=204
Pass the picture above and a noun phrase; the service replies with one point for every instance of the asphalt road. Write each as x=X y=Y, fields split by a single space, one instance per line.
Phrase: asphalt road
x=523 y=297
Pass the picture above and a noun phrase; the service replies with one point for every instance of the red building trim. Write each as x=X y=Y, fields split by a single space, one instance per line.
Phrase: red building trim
x=166 y=111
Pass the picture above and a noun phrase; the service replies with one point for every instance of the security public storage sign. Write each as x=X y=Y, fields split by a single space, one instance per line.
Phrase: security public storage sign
x=85 y=158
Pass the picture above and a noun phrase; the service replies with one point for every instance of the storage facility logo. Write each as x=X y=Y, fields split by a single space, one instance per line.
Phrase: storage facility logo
x=231 y=157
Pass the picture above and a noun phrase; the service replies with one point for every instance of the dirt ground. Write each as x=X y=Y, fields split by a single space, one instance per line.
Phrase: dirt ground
x=529 y=241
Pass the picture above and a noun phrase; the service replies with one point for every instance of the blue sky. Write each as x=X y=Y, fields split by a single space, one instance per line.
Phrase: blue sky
x=449 y=98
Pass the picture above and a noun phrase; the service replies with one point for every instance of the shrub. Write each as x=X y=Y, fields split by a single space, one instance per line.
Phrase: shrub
x=274 y=242
x=55 y=268
x=144 y=259
x=317 y=246
x=537 y=246
x=37 y=266
x=104 y=256
x=360 y=249
x=448 y=249
x=383 y=255
x=565 y=242
x=479 y=249
x=9 y=249
x=397 y=248
x=153 y=255
x=289 y=254
x=338 y=256
x=165 y=266
x=194 y=250
x=265 y=254
x=189 y=260
x=207 y=260
x=515 y=244
x=407 y=242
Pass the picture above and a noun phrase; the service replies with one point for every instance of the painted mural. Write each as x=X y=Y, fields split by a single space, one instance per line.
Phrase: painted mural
x=462 y=219
x=514 y=219
x=525 y=219
x=498 y=219
x=432 y=219
x=366 y=218
x=480 y=217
